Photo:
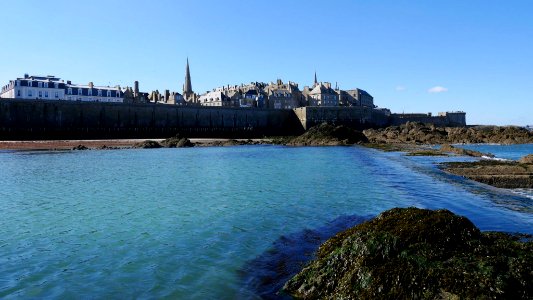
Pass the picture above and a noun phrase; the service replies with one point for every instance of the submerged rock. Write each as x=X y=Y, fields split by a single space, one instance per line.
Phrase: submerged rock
x=410 y=253
x=328 y=135
x=148 y=144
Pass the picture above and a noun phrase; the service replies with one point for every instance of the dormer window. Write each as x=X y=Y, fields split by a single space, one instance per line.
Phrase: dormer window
x=90 y=92
x=46 y=84
x=99 y=93
x=40 y=84
x=17 y=83
x=56 y=85
x=108 y=93
x=29 y=83
x=69 y=91
x=80 y=92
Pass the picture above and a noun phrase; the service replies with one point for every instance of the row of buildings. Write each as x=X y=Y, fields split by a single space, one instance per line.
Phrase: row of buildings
x=273 y=95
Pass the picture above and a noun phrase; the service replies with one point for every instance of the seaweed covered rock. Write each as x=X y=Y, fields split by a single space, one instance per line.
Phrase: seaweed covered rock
x=328 y=135
x=501 y=174
x=80 y=147
x=461 y=151
x=420 y=133
x=148 y=144
x=177 y=142
x=410 y=253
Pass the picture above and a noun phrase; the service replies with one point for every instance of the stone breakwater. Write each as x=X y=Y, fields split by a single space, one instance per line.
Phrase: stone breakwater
x=413 y=253
x=420 y=133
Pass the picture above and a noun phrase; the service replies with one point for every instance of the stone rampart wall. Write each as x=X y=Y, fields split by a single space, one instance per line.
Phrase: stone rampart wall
x=25 y=119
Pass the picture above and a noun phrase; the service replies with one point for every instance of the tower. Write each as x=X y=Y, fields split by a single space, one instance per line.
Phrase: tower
x=316 y=81
x=187 y=86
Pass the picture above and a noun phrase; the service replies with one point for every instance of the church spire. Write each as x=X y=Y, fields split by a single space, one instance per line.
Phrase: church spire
x=316 y=81
x=187 y=87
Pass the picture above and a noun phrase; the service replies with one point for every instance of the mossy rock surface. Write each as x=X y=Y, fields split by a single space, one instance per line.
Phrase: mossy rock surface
x=411 y=253
x=148 y=144
x=328 y=135
x=177 y=142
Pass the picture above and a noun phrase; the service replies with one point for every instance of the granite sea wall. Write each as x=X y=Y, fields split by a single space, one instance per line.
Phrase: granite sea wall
x=39 y=119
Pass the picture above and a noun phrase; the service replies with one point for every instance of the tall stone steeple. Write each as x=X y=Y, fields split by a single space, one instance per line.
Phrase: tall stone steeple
x=187 y=87
x=316 y=81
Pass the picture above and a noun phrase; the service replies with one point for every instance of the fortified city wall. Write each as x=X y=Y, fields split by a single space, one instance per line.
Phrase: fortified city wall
x=31 y=119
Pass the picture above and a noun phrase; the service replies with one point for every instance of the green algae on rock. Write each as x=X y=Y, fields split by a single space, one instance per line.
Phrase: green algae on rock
x=409 y=253
x=328 y=135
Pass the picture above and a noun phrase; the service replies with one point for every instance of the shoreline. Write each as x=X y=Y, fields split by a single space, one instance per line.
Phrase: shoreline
x=51 y=145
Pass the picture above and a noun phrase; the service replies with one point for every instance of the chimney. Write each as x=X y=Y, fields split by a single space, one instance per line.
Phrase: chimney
x=91 y=85
x=26 y=76
x=69 y=82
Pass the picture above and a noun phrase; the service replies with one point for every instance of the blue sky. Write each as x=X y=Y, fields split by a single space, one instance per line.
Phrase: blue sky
x=412 y=56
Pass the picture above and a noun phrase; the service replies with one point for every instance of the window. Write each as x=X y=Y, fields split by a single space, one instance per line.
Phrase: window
x=40 y=84
x=40 y=94
x=46 y=94
x=108 y=93
x=17 y=83
x=69 y=91
x=46 y=84
x=118 y=94
x=29 y=83
x=99 y=93
x=30 y=93
x=57 y=95
x=56 y=85
x=79 y=92
x=18 y=93
x=90 y=92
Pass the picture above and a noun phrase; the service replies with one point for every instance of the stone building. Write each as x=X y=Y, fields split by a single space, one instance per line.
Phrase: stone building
x=215 y=98
x=355 y=97
x=321 y=95
x=53 y=88
x=281 y=95
x=188 y=95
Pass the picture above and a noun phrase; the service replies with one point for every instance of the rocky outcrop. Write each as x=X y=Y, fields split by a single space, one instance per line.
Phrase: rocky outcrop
x=502 y=174
x=80 y=147
x=327 y=135
x=528 y=159
x=177 y=142
x=419 y=133
x=148 y=144
x=460 y=151
x=415 y=253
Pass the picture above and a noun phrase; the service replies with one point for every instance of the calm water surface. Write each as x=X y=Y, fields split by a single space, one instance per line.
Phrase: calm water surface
x=194 y=223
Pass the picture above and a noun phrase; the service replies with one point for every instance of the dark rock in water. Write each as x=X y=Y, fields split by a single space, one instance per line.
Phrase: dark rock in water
x=328 y=135
x=410 y=253
x=147 y=145
x=461 y=151
x=80 y=147
x=501 y=174
x=528 y=159
x=177 y=142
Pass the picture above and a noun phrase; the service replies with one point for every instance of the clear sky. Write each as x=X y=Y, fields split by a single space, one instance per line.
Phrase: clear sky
x=412 y=56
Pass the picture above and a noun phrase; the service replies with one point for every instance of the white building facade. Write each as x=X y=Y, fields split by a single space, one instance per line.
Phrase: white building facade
x=53 y=88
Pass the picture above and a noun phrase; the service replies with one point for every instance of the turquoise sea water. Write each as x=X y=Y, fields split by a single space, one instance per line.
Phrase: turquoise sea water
x=206 y=223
